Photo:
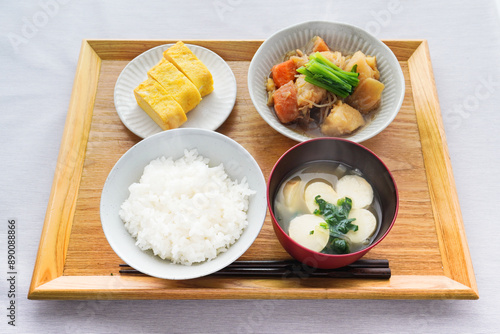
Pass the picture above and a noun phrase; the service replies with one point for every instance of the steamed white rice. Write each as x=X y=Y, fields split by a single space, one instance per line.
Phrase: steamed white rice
x=184 y=210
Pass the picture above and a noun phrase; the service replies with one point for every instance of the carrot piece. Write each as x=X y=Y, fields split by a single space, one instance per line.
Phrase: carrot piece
x=320 y=45
x=285 y=103
x=284 y=72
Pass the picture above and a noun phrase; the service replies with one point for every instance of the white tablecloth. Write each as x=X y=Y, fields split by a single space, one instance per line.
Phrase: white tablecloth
x=39 y=47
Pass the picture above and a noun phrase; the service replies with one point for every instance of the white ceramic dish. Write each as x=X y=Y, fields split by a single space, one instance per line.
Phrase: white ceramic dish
x=340 y=37
x=218 y=148
x=212 y=111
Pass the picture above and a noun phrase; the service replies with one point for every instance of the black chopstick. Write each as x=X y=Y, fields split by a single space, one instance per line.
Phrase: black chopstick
x=334 y=273
x=363 y=263
x=364 y=268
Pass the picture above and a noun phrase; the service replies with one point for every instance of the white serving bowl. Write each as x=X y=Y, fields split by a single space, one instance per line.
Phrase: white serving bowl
x=340 y=37
x=219 y=148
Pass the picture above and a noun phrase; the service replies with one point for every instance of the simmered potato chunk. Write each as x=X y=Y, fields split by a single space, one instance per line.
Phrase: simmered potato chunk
x=366 y=66
x=342 y=120
x=366 y=96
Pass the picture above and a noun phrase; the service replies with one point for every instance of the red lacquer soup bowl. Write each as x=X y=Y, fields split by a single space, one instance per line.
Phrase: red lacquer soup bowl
x=354 y=156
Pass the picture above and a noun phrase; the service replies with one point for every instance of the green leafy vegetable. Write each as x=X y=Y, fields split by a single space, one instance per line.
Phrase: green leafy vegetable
x=340 y=246
x=336 y=218
x=321 y=72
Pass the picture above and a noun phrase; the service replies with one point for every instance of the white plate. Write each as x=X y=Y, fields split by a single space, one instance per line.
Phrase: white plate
x=238 y=163
x=212 y=111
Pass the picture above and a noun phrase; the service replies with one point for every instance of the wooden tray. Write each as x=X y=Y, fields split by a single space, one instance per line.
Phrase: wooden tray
x=427 y=247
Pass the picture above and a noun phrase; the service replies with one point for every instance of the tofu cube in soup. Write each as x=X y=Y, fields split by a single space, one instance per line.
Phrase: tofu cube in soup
x=343 y=119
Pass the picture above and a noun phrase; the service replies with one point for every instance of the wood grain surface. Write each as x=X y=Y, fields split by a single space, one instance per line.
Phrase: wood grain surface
x=427 y=248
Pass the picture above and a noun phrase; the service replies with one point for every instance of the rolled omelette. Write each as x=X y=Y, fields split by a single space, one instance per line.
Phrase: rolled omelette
x=176 y=84
x=161 y=107
x=187 y=62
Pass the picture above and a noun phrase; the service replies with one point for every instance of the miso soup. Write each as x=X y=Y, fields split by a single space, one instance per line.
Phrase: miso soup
x=328 y=207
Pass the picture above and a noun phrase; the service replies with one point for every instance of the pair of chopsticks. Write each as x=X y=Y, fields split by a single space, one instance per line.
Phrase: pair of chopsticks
x=364 y=268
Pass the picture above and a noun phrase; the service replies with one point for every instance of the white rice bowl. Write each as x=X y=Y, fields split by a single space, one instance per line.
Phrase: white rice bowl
x=240 y=167
x=184 y=210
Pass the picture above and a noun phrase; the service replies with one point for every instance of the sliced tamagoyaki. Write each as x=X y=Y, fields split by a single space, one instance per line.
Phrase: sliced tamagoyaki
x=176 y=84
x=187 y=62
x=160 y=106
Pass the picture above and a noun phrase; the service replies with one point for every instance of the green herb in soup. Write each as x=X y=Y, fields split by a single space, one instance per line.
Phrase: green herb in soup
x=336 y=215
x=339 y=223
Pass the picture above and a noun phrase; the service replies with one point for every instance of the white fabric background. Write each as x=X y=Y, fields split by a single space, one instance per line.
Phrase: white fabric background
x=37 y=68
